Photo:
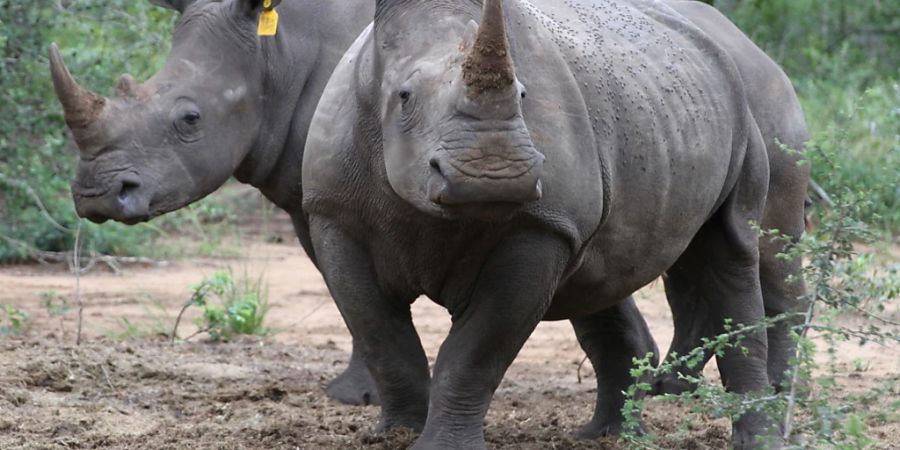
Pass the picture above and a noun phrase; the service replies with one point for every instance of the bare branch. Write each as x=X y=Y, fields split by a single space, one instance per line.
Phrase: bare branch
x=76 y=260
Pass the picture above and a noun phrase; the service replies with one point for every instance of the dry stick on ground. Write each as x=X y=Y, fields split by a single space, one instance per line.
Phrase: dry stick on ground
x=580 y=365
x=199 y=293
x=198 y=332
x=87 y=263
x=106 y=376
x=178 y=320
x=77 y=262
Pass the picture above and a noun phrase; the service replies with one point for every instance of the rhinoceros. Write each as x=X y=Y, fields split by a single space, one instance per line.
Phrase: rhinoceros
x=542 y=161
x=779 y=116
x=227 y=102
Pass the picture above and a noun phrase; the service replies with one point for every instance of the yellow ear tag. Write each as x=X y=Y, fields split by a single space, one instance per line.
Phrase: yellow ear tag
x=268 y=20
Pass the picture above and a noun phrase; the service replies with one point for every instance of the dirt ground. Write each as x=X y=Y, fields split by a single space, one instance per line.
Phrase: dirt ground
x=127 y=387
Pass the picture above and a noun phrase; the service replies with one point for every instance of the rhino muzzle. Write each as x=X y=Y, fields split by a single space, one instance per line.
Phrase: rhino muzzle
x=491 y=171
x=126 y=200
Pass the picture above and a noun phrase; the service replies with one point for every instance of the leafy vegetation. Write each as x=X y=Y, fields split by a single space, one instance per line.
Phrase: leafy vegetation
x=844 y=59
x=851 y=297
x=230 y=307
x=100 y=40
x=13 y=320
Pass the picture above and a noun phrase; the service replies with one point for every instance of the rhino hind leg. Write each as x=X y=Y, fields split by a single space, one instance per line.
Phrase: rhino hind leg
x=611 y=338
x=355 y=385
x=690 y=310
x=690 y=315
x=723 y=261
x=784 y=213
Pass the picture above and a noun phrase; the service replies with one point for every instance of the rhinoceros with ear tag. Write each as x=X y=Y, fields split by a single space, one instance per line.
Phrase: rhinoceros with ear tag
x=637 y=151
x=228 y=102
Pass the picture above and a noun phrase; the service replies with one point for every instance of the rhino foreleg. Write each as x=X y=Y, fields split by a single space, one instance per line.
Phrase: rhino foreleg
x=510 y=297
x=382 y=327
x=612 y=338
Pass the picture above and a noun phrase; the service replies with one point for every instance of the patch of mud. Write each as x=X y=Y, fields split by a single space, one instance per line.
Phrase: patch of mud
x=254 y=394
x=145 y=394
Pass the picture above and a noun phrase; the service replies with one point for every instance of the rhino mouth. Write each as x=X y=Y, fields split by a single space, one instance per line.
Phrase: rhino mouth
x=124 y=198
x=484 y=212
x=491 y=173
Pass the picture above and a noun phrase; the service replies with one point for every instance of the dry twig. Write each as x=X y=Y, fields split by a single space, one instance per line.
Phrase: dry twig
x=77 y=263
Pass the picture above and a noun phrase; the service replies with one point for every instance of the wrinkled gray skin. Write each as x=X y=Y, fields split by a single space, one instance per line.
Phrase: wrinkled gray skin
x=227 y=102
x=777 y=112
x=636 y=152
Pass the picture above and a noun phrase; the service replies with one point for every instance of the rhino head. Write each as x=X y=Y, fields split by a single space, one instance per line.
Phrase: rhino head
x=158 y=146
x=454 y=139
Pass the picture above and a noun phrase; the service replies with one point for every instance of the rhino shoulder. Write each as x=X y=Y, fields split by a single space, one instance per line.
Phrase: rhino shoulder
x=333 y=130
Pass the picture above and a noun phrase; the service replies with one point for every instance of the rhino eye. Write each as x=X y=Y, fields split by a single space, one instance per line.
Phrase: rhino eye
x=404 y=96
x=191 y=117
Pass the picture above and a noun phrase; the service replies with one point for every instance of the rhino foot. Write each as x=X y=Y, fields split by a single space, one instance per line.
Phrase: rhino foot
x=671 y=384
x=756 y=431
x=596 y=430
x=354 y=387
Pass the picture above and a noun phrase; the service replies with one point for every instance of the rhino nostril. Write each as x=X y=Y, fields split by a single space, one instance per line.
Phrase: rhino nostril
x=128 y=188
x=435 y=166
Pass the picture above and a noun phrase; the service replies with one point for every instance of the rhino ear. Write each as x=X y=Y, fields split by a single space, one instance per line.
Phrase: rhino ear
x=254 y=7
x=468 y=38
x=177 y=5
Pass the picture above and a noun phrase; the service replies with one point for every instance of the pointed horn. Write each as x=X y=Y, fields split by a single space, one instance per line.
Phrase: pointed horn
x=489 y=65
x=127 y=87
x=80 y=105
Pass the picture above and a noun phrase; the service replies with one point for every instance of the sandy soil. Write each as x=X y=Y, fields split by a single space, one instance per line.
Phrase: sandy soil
x=126 y=387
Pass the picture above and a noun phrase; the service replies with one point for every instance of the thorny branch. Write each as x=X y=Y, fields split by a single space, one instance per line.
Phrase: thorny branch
x=807 y=322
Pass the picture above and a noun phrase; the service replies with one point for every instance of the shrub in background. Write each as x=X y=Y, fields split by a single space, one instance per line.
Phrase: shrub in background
x=843 y=57
x=100 y=41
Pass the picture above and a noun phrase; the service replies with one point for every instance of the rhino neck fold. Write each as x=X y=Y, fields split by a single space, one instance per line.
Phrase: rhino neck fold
x=298 y=66
x=273 y=163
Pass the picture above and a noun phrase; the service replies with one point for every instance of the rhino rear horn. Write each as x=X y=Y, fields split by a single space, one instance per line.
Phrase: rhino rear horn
x=127 y=87
x=81 y=106
x=489 y=65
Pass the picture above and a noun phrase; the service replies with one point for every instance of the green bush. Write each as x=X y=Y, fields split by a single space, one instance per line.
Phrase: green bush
x=231 y=307
x=14 y=320
x=856 y=145
x=802 y=34
x=99 y=40
x=850 y=297
x=843 y=57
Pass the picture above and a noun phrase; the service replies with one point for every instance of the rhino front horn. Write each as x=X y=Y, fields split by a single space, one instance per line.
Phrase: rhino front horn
x=489 y=65
x=81 y=106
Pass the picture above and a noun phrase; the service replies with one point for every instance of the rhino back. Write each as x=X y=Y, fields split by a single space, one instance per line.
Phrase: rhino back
x=773 y=102
x=641 y=117
x=668 y=117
